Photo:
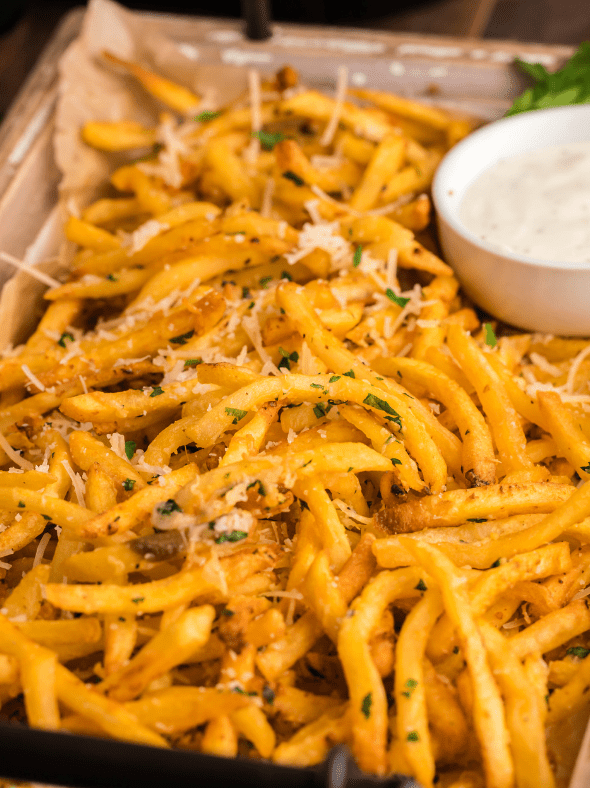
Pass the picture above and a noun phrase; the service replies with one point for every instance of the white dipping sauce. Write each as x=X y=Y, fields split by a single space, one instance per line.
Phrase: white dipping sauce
x=536 y=204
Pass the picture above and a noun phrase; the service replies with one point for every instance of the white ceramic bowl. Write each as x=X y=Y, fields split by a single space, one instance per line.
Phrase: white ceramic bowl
x=536 y=295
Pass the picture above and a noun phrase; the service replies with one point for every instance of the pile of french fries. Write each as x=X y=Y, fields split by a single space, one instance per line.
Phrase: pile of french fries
x=268 y=484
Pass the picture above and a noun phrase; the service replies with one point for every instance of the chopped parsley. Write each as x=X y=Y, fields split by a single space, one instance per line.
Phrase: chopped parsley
x=366 y=705
x=421 y=586
x=268 y=694
x=136 y=600
x=157 y=390
x=585 y=468
x=232 y=536
x=261 y=488
x=334 y=378
x=245 y=292
x=489 y=335
x=399 y=300
x=410 y=685
x=396 y=461
x=578 y=651
x=268 y=139
x=286 y=275
x=412 y=736
x=128 y=484
x=356 y=258
x=207 y=115
x=350 y=374
x=292 y=176
x=168 y=507
x=46 y=517
x=236 y=413
x=227 y=612
x=62 y=340
x=264 y=282
x=496 y=564
x=130 y=449
x=286 y=358
x=316 y=386
x=182 y=339
x=374 y=402
x=21 y=505
x=192 y=362
x=112 y=278
x=321 y=409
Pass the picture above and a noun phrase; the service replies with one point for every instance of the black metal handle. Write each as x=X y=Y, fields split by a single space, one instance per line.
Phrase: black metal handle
x=86 y=762
x=256 y=14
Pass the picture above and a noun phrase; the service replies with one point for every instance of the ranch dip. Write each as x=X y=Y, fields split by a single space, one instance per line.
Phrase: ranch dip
x=536 y=204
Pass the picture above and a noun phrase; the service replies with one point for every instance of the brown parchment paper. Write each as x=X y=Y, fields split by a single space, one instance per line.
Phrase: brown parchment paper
x=90 y=89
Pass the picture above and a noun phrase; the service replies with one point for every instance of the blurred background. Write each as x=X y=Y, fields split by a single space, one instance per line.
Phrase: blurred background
x=26 y=25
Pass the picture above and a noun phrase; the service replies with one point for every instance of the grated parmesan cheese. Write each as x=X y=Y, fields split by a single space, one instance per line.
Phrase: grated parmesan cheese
x=32 y=378
x=79 y=486
x=322 y=236
x=136 y=240
x=40 y=551
x=341 y=85
x=14 y=455
x=29 y=269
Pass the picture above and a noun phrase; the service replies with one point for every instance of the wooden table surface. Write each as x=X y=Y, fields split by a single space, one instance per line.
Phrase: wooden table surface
x=542 y=21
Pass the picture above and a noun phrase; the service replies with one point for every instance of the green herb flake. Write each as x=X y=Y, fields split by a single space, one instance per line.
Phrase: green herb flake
x=192 y=362
x=264 y=282
x=412 y=736
x=232 y=536
x=395 y=460
x=227 y=612
x=380 y=404
x=477 y=520
x=356 y=258
x=316 y=386
x=410 y=685
x=62 y=340
x=182 y=339
x=156 y=391
x=286 y=275
x=421 y=586
x=169 y=506
x=128 y=484
x=366 y=705
x=489 y=335
x=269 y=139
x=207 y=115
x=21 y=505
x=245 y=292
x=578 y=651
x=237 y=414
x=130 y=449
x=399 y=300
x=321 y=409
x=496 y=564
x=334 y=378
x=136 y=600
x=261 y=488
x=585 y=468
x=112 y=278
x=268 y=694
x=292 y=176
x=349 y=374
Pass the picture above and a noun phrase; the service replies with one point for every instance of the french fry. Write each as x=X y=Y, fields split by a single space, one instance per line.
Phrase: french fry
x=487 y=704
x=410 y=695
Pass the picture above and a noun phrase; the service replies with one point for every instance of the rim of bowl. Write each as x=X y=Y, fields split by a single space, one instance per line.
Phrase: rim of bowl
x=445 y=169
